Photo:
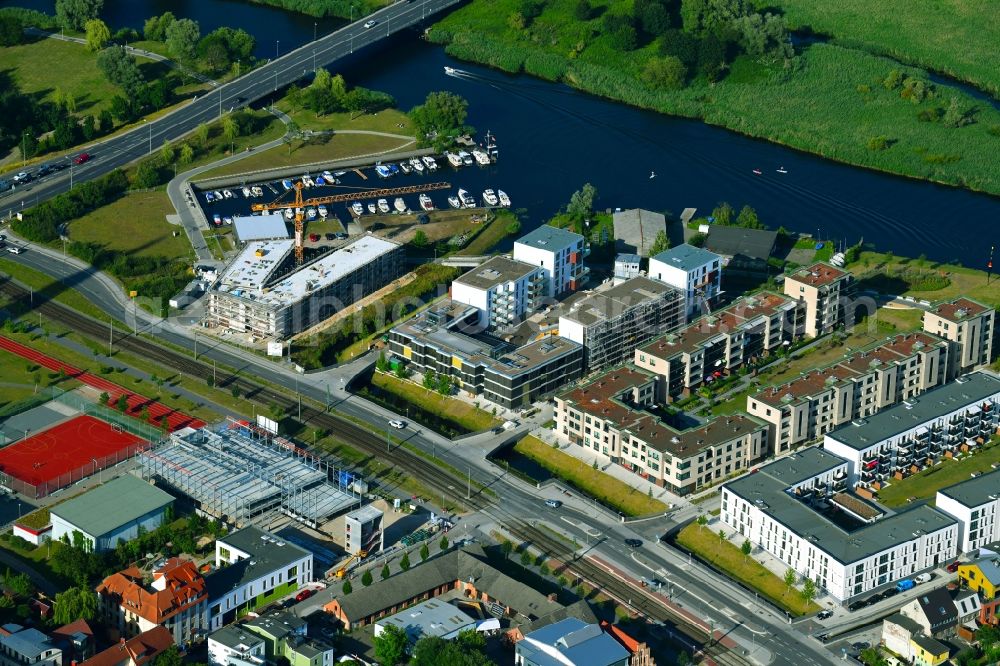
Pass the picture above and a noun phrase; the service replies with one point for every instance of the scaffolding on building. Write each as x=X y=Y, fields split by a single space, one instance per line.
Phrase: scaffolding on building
x=245 y=475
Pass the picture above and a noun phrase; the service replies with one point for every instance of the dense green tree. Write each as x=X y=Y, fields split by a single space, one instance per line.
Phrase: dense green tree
x=186 y=154
x=120 y=68
x=147 y=175
x=506 y=547
x=583 y=10
x=167 y=152
x=419 y=240
x=660 y=243
x=440 y=118
x=169 y=657
x=11 y=31
x=105 y=121
x=581 y=202
x=122 y=403
x=155 y=28
x=790 y=578
x=665 y=72
x=748 y=218
x=385 y=573
x=443 y=544
x=74 y=14
x=764 y=36
x=76 y=603
x=467 y=649
x=390 y=645
x=366 y=577
x=404 y=563
x=651 y=17
x=723 y=214
x=680 y=44
x=746 y=548
x=182 y=38
x=425 y=552
x=808 y=590
x=872 y=657
x=98 y=34
x=347 y=588
x=18 y=584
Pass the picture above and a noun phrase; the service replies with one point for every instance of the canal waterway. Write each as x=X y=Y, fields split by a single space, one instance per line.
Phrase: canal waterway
x=552 y=139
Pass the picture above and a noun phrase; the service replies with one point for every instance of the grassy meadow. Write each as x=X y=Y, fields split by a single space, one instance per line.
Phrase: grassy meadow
x=830 y=100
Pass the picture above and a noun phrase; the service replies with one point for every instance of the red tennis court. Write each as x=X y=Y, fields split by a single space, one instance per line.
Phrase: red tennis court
x=66 y=453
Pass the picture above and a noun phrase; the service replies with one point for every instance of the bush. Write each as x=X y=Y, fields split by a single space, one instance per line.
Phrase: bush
x=878 y=143
x=41 y=223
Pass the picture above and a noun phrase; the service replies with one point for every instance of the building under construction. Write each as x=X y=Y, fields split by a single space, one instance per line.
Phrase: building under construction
x=264 y=294
x=611 y=323
x=245 y=475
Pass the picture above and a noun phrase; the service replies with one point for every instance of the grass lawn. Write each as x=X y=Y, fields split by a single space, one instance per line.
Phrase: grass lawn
x=490 y=236
x=961 y=43
x=585 y=478
x=469 y=416
x=727 y=557
x=319 y=149
x=832 y=102
x=926 y=483
x=387 y=120
x=51 y=288
x=135 y=224
x=900 y=275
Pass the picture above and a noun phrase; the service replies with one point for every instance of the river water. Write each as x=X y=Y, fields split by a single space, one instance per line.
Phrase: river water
x=553 y=139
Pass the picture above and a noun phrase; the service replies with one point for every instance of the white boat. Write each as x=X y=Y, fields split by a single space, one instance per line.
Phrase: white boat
x=417 y=165
x=328 y=176
x=287 y=184
x=399 y=204
x=781 y=170
x=357 y=209
x=405 y=167
x=323 y=212
x=228 y=194
x=308 y=181
x=310 y=213
x=490 y=197
x=504 y=199
x=218 y=195
x=228 y=221
x=372 y=208
x=426 y=203
x=246 y=193
x=209 y=197
x=338 y=174
x=383 y=206
x=449 y=70
x=465 y=157
x=257 y=191
x=382 y=171
x=482 y=159
x=454 y=202
x=467 y=200
x=430 y=163
x=453 y=159
x=289 y=213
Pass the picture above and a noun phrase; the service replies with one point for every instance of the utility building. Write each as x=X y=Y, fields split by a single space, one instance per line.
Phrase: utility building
x=363 y=531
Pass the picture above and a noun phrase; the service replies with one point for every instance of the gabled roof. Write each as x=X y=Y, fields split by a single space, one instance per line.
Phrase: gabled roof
x=575 y=642
x=28 y=643
x=732 y=241
x=183 y=587
x=930 y=645
x=938 y=607
x=137 y=651
x=988 y=567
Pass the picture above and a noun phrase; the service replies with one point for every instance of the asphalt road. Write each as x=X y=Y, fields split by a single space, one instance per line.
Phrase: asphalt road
x=123 y=149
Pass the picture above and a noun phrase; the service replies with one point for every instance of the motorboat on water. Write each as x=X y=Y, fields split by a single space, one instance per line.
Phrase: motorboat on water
x=328 y=176
x=449 y=70
x=454 y=202
x=482 y=159
x=338 y=174
x=257 y=191
x=209 y=197
x=468 y=201
x=781 y=170
x=426 y=203
x=289 y=213
x=246 y=193
x=228 y=221
x=399 y=205
x=490 y=197
x=453 y=159
x=417 y=165
x=382 y=171
x=430 y=163
x=383 y=206
x=308 y=181
x=357 y=209
x=310 y=213
x=465 y=157
x=504 y=199
x=372 y=208
x=323 y=212
x=228 y=194
x=393 y=169
x=405 y=167
x=287 y=184
x=320 y=181
x=218 y=195
x=217 y=220
x=758 y=171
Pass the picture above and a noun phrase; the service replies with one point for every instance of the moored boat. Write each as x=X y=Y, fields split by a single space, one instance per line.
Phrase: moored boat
x=246 y=193
x=482 y=159
x=218 y=195
x=372 y=208
x=323 y=212
x=430 y=163
x=383 y=206
x=454 y=202
x=257 y=191
x=357 y=209
x=426 y=203
x=289 y=213
x=504 y=199
x=228 y=221
x=310 y=213
x=490 y=197
x=209 y=197
x=287 y=184
x=405 y=167
x=453 y=159
x=228 y=194
x=308 y=181
x=217 y=219
x=465 y=157
x=399 y=205
x=468 y=201
x=320 y=181
x=382 y=171
x=417 y=165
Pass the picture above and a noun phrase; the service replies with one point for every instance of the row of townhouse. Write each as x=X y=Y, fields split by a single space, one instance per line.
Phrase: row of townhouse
x=719 y=343
x=613 y=417
x=862 y=384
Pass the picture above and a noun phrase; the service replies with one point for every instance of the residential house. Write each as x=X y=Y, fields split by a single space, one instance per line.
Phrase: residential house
x=695 y=271
x=559 y=253
x=935 y=612
x=982 y=576
x=21 y=646
x=928 y=651
x=233 y=645
x=639 y=652
x=76 y=640
x=502 y=290
x=285 y=635
x=824 y=291
x=744 y=252
x=434 y=617
x=139 y=650
x=570 y=642
x=969 y=326
x=976 y=503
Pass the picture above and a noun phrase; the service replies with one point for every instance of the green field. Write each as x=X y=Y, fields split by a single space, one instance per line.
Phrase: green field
x=897 y=275
x=956 y=37
x=830 y=102
x=386 y=120
x=706 y=544
x=467 y=415
x=926 y=483
x=603 y=487
x=135 y=224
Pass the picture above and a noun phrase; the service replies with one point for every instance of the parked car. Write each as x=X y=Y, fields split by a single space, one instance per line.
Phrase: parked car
x=13 y=249
x=554 y=503
x=953 y=567
x=905 y=584
x=633 y=543
x=330 y=236
x=890 y=592
x=861 y=645
x=923 y=578
x=857 y=605
x=313 y=237
x=824 y=615
x=304 y=594
x=340 y=235
x=81 y=158
x=397 y=424
x=822 y=638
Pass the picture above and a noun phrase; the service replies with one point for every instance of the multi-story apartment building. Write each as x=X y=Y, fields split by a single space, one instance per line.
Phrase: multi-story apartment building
x=778 y=509
x=445 y=339
x=262 y=293
x=177 y=599
x=559 y=253
x=823 y=290
x=610 y=323
x=695 y=271
x=503 y=290
x=719 y=343
x=976 y=505
x=859 y=386
x=611 y=416
x=920 y=431
x=253 y=568
x=969 y=327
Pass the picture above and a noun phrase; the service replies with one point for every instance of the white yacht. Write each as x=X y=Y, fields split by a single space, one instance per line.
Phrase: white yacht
x=383 y=206
x=482 y=159
x=289 y=213
x=246 y=193
x=454 y=202
x=417 y=165
x=399 y=205
x=453 y=159
x=323 y=212
x=357 y=209
x=490 y=197
x=426 y=203
x=504 y=199
x=468 y=201
x=405 y=167
x=430 y=163
x=465 y=157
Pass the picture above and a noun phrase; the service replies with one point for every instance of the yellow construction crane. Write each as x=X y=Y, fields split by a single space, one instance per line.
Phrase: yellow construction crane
x=360 y=555
x=299 y=203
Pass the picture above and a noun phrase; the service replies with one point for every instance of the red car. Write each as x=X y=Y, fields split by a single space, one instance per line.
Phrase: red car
x=313 y=237
x=81 y=158
x=953 y=567
x=303 y=594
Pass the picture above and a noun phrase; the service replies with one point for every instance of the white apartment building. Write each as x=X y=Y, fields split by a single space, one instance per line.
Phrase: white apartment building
x=776 y=509
x=864 y=383
x=920 y=431
x=976 y=505
x=559 y=253
x=235 y=646
x=695 y=271
x=609 y=417
x=823 y=289
x=253 y=567
x=969 y=327
x=503 y=290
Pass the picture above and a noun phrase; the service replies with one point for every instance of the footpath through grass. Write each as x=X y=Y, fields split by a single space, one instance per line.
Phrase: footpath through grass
x=468 y=416
x=724 y=555
x=602 y=487
x=926 y=483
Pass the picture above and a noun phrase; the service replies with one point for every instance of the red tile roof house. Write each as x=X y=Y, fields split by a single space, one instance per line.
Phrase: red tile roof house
x=137 y=651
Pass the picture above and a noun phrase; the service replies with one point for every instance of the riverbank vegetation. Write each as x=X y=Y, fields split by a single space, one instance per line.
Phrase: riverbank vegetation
x=921 y=278
x=321 y=8
x=729 y=65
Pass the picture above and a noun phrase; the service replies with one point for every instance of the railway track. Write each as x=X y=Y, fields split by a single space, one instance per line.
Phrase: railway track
x=434 y=477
